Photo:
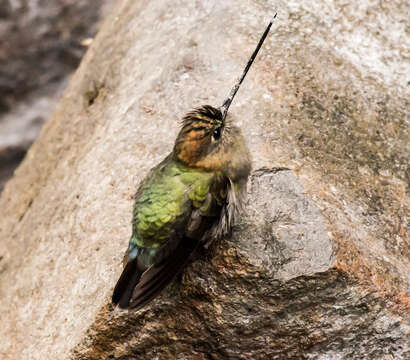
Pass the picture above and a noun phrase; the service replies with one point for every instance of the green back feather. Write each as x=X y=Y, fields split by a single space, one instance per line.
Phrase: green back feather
x=164 y=202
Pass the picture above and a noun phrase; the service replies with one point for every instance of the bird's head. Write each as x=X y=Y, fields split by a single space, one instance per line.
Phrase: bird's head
x=201 y=132
x=209 y=142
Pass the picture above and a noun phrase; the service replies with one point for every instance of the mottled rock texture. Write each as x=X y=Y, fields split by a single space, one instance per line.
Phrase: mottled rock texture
x=41 y=44
x=318 y=267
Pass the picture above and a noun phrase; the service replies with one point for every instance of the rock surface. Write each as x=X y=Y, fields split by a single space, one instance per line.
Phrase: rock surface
x=317 y=268
x=48 y=34
x=41 y=44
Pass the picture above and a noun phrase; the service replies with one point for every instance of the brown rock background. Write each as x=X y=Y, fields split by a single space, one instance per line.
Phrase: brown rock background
x=318 y=267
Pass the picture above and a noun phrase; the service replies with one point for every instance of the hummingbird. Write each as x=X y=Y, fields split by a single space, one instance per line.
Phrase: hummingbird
x=192 y=197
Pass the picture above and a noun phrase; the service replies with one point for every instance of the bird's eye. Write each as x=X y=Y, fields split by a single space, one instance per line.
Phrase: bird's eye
x=216 y=134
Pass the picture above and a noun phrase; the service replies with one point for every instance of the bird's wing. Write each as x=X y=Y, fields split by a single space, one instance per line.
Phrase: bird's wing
x=158 y=276
x=202 y=214
x=173 y=210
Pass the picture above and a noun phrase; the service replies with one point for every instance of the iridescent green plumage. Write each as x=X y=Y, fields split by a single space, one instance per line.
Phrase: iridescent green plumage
x=165 y=201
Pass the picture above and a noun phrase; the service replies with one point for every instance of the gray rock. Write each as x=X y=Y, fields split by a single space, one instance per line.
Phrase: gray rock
x=41 y=44
x=318 y=266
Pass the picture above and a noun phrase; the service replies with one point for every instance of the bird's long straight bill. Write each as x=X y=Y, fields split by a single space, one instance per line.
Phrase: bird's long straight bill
x=234 y=90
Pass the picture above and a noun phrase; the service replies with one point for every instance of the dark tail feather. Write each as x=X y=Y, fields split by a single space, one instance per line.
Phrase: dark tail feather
x=157 y=277
x=125 y=285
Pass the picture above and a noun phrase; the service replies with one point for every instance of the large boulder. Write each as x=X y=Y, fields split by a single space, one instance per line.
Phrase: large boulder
x=317 y=267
